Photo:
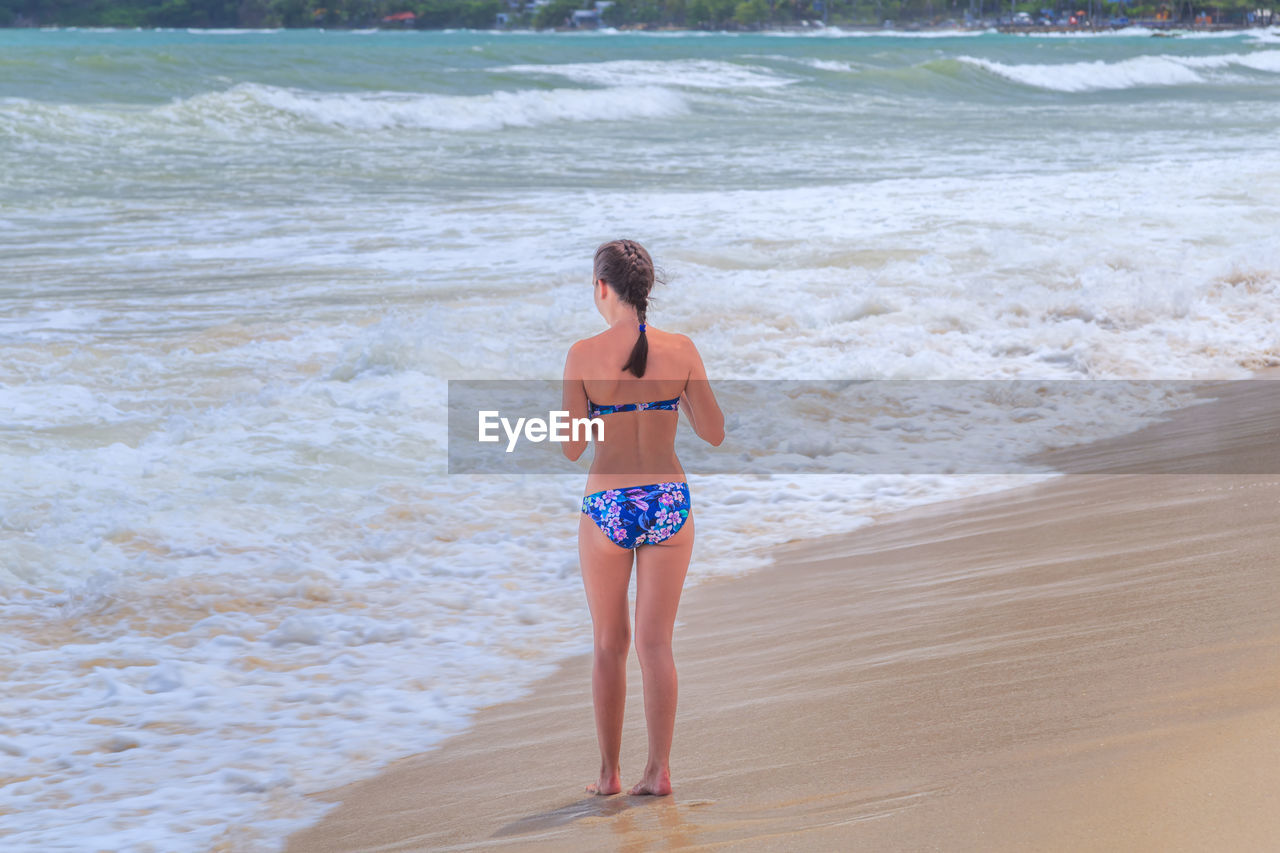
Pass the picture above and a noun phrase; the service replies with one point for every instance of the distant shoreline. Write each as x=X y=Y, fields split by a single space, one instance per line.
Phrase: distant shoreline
x=1160 y=29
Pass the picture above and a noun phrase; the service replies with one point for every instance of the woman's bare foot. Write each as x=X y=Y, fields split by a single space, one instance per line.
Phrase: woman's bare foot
x=657 y=784
x=607 y=785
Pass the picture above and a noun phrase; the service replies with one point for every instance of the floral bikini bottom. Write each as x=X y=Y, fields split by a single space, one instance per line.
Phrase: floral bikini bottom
x=639 y=515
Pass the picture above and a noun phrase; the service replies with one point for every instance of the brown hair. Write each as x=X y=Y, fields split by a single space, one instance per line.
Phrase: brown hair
x=627 y=268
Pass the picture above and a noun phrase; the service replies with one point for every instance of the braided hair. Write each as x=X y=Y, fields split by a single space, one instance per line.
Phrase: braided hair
x=626 y=267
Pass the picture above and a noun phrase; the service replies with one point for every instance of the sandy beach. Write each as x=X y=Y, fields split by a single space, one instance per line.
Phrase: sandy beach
x=1089 y=663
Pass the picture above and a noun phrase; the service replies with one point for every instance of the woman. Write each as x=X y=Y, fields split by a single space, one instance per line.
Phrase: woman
x=637 y=501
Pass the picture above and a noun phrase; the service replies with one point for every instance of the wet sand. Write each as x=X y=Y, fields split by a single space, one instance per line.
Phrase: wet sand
x=1091 y=663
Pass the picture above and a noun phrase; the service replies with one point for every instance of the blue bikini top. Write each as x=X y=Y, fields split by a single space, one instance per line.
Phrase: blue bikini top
x=663 y=405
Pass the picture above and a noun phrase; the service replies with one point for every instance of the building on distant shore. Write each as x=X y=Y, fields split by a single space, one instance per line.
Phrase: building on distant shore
x=403 y=19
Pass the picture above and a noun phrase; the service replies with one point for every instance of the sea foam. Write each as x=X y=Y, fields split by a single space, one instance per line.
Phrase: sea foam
x=460 y=113
x=260 y=110
x=689 y=73
x=1141 y=71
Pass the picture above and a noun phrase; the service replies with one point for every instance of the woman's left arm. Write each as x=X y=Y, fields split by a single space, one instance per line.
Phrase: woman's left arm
x=573 y=399
x=700 y=402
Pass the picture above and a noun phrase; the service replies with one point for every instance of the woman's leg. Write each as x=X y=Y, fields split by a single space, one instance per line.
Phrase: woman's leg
x=660 y=571
x=606 y=574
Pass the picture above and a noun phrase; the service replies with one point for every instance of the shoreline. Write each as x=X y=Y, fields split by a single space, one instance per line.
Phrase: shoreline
x=1161 y=29
x=992 y=670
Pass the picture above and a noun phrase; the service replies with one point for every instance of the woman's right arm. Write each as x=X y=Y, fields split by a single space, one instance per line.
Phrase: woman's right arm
x=573 y=399
x=700 y=402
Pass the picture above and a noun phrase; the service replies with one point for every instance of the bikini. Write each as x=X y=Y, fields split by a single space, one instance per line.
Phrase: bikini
x=638 y=515
x=671 y=405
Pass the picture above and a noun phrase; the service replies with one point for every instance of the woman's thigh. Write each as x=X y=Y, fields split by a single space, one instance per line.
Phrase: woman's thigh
x=660 y=574
x=606 y=575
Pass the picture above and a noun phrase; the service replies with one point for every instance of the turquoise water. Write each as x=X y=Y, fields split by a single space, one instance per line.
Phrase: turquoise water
x=682 y=112
x=239 y=268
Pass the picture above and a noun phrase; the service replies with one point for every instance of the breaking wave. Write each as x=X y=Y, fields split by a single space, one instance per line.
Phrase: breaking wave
x=1137 y=72
x=255 y=107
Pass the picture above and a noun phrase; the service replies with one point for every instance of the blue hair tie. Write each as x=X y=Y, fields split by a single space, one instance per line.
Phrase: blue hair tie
x=642 y=327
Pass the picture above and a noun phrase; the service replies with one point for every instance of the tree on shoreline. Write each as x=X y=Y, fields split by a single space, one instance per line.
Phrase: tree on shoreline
x=483 y=14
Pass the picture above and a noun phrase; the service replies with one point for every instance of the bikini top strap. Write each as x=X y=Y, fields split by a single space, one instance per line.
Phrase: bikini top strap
x=671 y=405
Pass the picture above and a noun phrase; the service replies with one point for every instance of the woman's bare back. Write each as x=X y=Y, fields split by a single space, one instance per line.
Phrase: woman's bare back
x=638 y=446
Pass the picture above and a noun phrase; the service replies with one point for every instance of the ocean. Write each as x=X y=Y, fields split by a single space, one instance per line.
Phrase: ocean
x=240 y=267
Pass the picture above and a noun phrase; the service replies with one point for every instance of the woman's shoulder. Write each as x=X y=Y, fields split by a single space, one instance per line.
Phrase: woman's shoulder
x=658 y=336
x=677 y=341
x=583 y=344
x=582 y=353
x=590 y=349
